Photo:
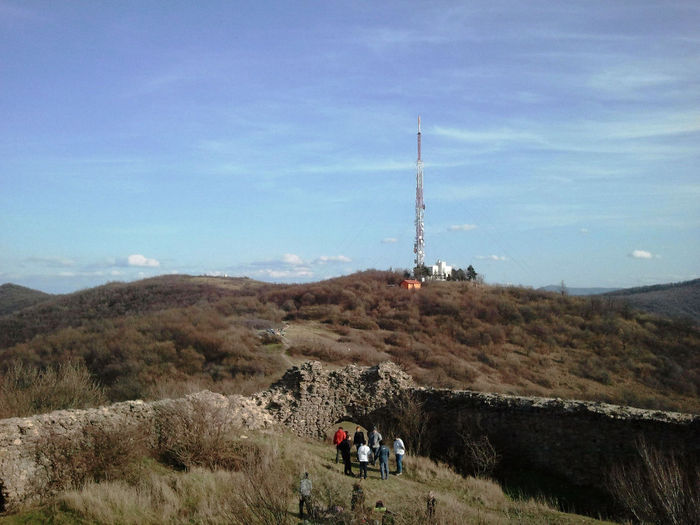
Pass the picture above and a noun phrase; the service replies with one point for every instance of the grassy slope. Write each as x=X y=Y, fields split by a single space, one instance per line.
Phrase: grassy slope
x=159 y=494
x=169 y=335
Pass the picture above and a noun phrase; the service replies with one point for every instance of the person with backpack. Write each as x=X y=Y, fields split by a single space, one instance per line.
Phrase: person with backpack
x=374 y=438
x=399 y=451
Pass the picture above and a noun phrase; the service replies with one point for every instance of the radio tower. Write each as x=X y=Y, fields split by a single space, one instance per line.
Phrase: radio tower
x=419 y=246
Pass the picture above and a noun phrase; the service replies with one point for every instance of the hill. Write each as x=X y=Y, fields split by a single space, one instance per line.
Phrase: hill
x=14 y=297
x=576 y=291
x=175 y=334
x=678 y=300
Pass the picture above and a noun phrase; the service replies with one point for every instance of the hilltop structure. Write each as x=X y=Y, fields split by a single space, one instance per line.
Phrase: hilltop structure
x=419 y=245
x=440 y=271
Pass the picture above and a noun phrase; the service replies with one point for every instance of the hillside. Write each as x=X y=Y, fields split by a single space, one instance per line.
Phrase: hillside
x=14 y=297
x=228 y=480
x=678 y=300
x=175 y=334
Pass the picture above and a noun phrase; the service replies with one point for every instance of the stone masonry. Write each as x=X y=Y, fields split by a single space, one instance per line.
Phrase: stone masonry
x=572 y=439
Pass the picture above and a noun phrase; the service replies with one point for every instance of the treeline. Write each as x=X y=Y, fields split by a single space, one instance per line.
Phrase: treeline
x=136 y=339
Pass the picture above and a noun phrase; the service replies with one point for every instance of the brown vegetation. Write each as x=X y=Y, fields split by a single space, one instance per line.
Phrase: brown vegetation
x=179 y=330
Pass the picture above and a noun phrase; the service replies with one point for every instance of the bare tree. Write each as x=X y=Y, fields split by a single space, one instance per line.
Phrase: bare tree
x=658 y=488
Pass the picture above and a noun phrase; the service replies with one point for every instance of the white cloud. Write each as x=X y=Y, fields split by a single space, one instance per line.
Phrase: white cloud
x=141 y=261
x=641 y=254
x=584 y=231
x=462 y=227
x=332 y=258
x=492 y=257
x=389 y=240
x=290 y=258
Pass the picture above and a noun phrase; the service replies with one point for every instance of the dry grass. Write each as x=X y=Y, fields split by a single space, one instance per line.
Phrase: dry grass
x=261 y=488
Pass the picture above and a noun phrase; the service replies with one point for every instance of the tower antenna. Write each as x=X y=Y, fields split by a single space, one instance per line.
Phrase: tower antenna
x=419 y=245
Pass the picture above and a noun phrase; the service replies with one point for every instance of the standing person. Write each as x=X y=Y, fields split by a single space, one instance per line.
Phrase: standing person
x=345 y=448
x=305 y=495
x=430 y=511
x=359 y=438
x=399 y=451
x=374 y=438
x=383 y=455
x=363 y=453
x=337 y=440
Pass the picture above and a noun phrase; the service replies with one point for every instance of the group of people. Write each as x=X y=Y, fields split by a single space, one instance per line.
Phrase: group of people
x=368 y=451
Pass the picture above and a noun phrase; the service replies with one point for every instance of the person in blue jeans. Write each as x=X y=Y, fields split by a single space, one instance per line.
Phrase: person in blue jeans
x=399 y=451
x=383 y=456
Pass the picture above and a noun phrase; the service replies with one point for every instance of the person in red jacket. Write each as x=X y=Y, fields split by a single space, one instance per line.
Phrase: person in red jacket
x=337 y=440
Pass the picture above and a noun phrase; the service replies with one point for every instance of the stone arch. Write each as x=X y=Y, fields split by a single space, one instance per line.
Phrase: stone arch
x=2 y=497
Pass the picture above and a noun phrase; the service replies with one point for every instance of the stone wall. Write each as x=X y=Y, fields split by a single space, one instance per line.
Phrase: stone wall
x=21 y=474
x=572 y=439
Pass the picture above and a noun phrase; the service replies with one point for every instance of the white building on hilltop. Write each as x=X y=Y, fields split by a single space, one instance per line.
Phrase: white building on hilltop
x=440 y=270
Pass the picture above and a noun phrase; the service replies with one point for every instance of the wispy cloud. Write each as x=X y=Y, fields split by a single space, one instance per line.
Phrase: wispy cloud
x=492 y=257
x=462 y=227
x=389 y=240
x=323 y=259
x=51 y=262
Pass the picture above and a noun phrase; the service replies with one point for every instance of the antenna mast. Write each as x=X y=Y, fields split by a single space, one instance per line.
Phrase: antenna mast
x=419 y=246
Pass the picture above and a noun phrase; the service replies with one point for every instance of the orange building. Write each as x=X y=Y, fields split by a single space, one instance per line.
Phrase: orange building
x=410 y=284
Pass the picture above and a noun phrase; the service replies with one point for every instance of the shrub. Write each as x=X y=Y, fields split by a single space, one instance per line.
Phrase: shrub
x=197 y=434
x=93 y=453
x=27 y=390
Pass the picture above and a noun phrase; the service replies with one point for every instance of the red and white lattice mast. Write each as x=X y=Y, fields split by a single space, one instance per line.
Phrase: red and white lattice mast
x=419 y=246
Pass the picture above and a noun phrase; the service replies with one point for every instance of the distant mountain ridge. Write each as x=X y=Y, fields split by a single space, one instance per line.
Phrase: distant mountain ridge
x=14 y=297
x=576 y=291
x=679 y=300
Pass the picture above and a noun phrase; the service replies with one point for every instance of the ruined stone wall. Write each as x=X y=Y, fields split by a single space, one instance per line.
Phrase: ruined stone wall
x=309 y=399
x=21 y=473
x=572 y=439
x=575 y=440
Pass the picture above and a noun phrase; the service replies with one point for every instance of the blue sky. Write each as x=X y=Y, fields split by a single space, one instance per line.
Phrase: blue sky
x=276 y=140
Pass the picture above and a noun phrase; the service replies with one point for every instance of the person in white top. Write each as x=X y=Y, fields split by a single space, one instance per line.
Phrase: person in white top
x=399 y=451
x=363 y=453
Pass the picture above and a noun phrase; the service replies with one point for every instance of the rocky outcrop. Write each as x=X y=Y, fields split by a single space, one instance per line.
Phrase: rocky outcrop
x=572 y=439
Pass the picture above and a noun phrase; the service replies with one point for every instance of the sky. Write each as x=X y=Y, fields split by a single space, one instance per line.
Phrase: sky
x=277 y=140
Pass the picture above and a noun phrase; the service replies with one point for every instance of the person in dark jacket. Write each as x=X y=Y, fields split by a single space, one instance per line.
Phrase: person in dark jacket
x=359 y=438
x=345 y=448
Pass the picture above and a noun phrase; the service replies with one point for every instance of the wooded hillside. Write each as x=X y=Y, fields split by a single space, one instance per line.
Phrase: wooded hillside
x=172 y=334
